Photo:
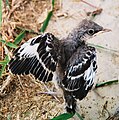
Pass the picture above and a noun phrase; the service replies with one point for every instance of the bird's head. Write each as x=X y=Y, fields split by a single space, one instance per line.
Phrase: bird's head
x=87 y=29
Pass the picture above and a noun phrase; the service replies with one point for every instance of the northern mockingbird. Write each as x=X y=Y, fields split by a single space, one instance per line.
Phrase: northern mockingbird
x=70 y=61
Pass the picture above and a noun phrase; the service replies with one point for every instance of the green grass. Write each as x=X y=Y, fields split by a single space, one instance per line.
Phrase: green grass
x=11 y=45
x=27 y=30
x=66 y=116
x=19 y=38
x=79 y=116
x=7 y=4
x=106 y=83
x=4 y=64
x=9 y=117
x=46 y=22
x=103 y=48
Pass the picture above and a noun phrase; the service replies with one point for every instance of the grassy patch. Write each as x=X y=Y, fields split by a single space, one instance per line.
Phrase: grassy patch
x=11 y=45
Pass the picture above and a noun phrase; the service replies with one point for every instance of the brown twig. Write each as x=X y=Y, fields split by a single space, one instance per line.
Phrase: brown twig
x=14 y=7
x=89 y=4
x=105 y=109
x=5 y=84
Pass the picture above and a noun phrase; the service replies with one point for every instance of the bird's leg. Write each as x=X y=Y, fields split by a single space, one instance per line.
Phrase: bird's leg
x=49 y=92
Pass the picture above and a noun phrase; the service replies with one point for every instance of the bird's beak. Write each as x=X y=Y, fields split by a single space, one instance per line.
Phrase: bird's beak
x=106 y=30
x=102 y=31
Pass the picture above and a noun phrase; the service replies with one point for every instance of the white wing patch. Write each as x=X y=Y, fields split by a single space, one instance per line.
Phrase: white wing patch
x=89 y=75
x=81 y=72
x=28 y=50
x=35 y=57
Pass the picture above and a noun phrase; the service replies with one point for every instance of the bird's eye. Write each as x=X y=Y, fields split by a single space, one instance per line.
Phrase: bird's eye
x=91 y=31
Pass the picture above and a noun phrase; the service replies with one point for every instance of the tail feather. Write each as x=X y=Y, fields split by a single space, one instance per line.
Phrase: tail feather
x=70 y=102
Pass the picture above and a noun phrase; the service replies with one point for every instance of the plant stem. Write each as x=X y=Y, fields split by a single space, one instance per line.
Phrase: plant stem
x=106 y=83
x=79 y=116
x=27 y=30
x=89 y=4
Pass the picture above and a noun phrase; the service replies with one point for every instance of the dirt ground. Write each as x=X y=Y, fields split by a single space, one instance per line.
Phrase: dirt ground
x=19 y=98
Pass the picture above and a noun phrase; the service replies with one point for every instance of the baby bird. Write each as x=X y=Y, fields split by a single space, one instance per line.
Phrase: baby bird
x=69 y=62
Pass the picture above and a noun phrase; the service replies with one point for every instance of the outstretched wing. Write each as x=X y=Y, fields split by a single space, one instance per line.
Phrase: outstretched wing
x=80 y=72
x=37 y=56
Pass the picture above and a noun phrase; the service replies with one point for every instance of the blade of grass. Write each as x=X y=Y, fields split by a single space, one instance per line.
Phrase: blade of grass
x=9 y=117
x=7 y=4
x=63 y=116
x=45 y=24
x=4 y=66
x=53 y=3
x=106 y=83
x=79 y=116
x=101 y=47
x=0 y=12
x=7 y=59
x=28 y=30
x=12 y=45
x=2 y=70
x=3 y=41
x=19 y=38
x=3 y=62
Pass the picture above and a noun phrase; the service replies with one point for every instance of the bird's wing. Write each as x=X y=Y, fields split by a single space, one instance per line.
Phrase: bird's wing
x=80 y=70
x=37 y=56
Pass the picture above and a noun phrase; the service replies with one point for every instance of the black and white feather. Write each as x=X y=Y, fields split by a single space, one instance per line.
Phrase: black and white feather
x=80 y=71
x=37 y=56
x=70 y=60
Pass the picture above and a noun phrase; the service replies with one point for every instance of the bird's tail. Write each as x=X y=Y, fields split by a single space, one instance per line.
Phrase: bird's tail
x=70 y=102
